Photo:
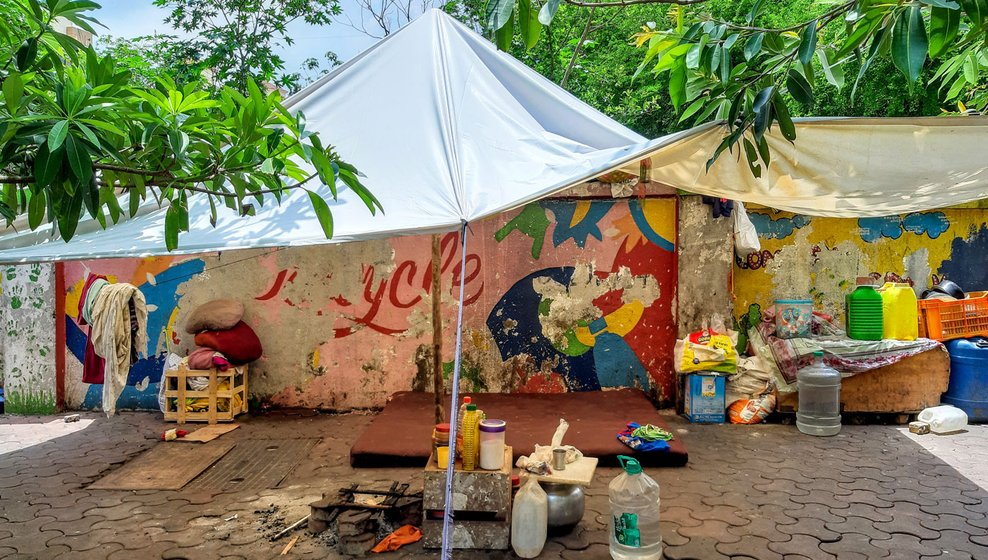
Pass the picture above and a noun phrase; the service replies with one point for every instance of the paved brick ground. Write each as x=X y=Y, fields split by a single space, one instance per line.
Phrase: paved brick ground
x=757 y=492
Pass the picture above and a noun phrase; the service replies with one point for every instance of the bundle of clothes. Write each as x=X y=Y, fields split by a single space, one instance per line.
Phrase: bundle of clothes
x=223 y=340
x=117 y=318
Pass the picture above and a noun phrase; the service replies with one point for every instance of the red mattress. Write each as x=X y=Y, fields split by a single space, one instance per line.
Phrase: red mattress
x=401 y=435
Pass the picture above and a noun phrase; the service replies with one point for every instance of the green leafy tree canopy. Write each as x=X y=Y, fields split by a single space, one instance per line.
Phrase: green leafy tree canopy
x=745 y=68
x=78 y=136
x=236 y=41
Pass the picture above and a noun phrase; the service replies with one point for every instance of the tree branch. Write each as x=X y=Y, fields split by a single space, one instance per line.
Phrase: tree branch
x=578 y=49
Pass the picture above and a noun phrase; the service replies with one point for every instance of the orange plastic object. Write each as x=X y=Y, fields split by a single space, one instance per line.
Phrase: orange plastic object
x=947 y=320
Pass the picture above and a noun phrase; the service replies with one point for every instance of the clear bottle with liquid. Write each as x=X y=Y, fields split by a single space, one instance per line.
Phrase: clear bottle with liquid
x=818 y=384
x=634 y=523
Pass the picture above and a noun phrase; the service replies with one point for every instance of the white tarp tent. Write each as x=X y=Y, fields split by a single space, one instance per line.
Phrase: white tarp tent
x=449 y=130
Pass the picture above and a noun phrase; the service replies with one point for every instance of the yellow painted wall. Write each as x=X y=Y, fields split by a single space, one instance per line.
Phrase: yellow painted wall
x=821 y=257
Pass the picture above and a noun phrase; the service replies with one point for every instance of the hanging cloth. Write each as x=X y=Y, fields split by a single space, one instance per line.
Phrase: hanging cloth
x=92 y=365
x=115 y=334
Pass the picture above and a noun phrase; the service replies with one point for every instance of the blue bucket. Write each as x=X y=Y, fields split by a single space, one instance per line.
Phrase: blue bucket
x=968 y=389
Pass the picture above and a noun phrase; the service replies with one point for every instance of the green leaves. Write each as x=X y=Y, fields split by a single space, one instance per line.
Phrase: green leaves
x=528 y=23
x=498 y=13
x=173 y=222
x=76 y=132
x=323 y=214
x=753 y=45
x=762 y=108
x=13 y=89
x=909 y=43
x=57 y=134
x=833 y=71
x=548 y=11
x=46 y=166
x=504 y=34
x=944 y=23
x=26 y=54
x=79 y=162
x=677 y=83
x=976 y=10
x=807 y=43
x=799 y=88
x=36 y=207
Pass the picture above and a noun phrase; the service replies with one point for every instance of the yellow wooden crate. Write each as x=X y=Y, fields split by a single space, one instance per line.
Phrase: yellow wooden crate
x=177 y=393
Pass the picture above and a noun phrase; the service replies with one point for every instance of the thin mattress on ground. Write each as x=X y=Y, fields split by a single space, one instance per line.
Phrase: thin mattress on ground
x=401 y=435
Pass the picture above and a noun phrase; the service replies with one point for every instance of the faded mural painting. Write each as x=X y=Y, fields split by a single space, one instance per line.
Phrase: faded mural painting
x=561 y=295
x=822 y=257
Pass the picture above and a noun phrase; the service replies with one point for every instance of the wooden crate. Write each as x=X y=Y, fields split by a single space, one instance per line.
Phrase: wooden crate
x=177 y=391
x=482 y=506
x=906 y=387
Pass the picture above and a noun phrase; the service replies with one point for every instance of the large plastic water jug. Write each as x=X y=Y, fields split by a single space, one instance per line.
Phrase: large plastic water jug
x=819 y=398
x=529 y=520
x=900 y=314
x=968 y=389
x=944 y=419
x=634 y=523
x=863 y=312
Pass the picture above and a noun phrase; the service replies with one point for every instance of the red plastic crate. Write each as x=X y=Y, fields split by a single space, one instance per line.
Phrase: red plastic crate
x=947 y=320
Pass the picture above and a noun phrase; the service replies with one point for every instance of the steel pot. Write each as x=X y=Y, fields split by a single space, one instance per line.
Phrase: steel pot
x=566 y=504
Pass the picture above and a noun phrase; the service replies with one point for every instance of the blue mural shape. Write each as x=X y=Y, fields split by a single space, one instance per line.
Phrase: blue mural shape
x=966 y=265
x=779 y=228
x=932 y=224
x=514 y=323
x=578 y=232
x=616 y=363
x=638 y=214
x=164 y=295
x=873 y=229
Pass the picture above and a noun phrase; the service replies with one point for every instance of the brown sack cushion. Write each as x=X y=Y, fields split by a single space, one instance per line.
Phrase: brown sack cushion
x=217 y=315
x=240 y=345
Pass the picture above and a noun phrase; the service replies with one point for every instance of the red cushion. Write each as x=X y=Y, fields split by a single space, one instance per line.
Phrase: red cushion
x=239 y=344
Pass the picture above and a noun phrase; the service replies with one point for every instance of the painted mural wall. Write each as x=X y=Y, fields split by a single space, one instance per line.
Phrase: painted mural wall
x=561 y=295
x=821 y=257
x=27 y=344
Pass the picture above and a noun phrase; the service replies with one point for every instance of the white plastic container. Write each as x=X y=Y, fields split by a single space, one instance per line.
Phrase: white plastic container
x=818 y=413
x=634 y=523
x=529 y=520
x=944 y=419
x=492 y=444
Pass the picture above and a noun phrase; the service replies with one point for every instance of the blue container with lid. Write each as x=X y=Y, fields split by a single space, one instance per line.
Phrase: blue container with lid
x=968 y=389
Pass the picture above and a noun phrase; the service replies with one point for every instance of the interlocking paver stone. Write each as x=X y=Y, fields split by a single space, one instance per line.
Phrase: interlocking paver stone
x=698 y=548
x=900 y=543
x=869 y=482
x=854 y=545
x=749 y=546
x=813 y=527
x=712 y=529
x=859 y=525
x=801 y=544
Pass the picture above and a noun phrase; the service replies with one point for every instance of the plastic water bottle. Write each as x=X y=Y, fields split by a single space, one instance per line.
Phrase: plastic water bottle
x=634 y=523
x=819 y=398
x=529 y=520
x=944 y=419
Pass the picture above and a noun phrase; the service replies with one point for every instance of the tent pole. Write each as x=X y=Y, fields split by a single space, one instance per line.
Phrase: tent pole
x=438 y=386
x=447 y=551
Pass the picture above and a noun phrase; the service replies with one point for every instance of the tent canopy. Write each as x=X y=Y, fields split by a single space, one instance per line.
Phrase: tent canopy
x=448 y=130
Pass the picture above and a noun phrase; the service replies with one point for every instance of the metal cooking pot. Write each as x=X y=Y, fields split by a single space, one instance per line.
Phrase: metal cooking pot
x=566 y=503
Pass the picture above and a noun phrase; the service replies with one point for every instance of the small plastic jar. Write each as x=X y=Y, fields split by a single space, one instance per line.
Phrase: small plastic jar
x=440 y=438
x=492 y=444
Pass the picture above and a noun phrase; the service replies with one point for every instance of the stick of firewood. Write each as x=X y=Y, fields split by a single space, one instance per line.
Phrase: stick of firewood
x=291 y=527
x=290 y=544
